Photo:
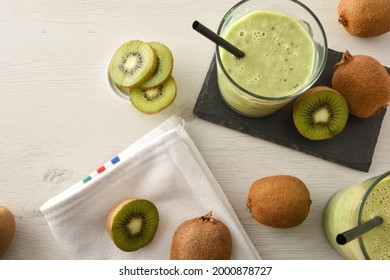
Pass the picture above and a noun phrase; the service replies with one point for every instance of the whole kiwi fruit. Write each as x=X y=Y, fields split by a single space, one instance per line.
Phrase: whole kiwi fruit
x=364 y=83
x=279 y=201
x=7 y=229
x=132 y=223
x=364 y=18
x=201 y=238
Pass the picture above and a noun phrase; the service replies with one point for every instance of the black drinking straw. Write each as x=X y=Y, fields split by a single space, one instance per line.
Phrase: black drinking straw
x=349 y=235
x=197 y=26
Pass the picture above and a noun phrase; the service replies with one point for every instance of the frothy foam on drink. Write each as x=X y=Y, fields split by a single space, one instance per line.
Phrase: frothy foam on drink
x=377 y=241
x=274 y=46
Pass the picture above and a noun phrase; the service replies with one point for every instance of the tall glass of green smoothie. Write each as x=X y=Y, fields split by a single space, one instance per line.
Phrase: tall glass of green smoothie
x=351 y=207
x=285 y=50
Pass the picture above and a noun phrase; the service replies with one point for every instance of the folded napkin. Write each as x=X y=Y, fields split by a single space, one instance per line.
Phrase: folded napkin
x=164 y=167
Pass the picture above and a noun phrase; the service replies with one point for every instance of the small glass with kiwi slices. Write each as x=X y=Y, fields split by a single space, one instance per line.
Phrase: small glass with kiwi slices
x=141 y=73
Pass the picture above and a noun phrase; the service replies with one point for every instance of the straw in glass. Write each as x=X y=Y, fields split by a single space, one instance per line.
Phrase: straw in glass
x=197 y=26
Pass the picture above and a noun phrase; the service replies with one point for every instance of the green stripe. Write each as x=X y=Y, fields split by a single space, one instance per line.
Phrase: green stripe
x=86 y=179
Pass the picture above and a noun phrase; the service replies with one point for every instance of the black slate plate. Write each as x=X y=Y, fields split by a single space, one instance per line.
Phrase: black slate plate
x=353 y=147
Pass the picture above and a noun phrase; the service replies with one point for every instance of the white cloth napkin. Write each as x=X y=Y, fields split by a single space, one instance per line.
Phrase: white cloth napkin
x=164 y=167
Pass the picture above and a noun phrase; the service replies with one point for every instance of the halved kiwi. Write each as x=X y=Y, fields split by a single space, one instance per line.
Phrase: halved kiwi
x=320 y=113
x=154 y=100
x=164 y=66
x=132 y=223
x=132 y=64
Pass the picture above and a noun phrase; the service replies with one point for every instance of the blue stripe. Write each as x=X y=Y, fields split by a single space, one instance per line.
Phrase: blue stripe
x=115 y=160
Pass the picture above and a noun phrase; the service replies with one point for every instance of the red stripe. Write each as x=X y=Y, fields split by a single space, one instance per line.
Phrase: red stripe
x=100 y=169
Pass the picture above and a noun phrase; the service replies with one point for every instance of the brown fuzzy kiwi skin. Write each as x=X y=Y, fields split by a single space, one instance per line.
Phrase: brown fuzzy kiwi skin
x=7 y=229
x=364 y=83
x=279 y=201
x=364 y=18
x=201 y=238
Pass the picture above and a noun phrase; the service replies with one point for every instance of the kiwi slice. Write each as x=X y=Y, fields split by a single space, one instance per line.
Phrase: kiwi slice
x=164 y=66
x=320 y=113
x=132 y=64
x=154 y=100
x=132 y=223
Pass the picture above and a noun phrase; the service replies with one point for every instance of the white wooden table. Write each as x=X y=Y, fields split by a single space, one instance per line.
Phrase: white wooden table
x=59 y=121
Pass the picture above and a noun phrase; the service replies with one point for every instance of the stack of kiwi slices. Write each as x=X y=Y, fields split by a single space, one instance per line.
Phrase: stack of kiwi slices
x=143 y=71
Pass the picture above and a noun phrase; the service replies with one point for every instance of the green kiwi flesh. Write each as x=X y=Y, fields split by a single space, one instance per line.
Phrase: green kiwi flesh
x=150 y=101
x=132 y=64
x=320 y=113
x=164 y=66
x=132 y=224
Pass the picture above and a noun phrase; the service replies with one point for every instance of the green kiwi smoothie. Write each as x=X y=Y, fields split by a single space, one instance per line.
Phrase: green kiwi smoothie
x=358 y=204
x=278 y=61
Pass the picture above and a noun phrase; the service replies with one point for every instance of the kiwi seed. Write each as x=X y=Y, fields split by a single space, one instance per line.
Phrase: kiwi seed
x=132 y=223
x=7 y=229
x=201 y=238
x=280 y=201
x=320 y=113
x=364 y=83
x=164 y=66
x=132 y=64
x=364 y=18
x=154 y=100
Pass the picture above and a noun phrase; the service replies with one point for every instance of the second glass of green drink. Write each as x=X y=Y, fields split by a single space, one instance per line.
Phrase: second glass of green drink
x=363 y=209
x=285 y=50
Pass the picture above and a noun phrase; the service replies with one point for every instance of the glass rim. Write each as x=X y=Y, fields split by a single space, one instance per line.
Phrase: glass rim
x=263 y=97
x=377 y=180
